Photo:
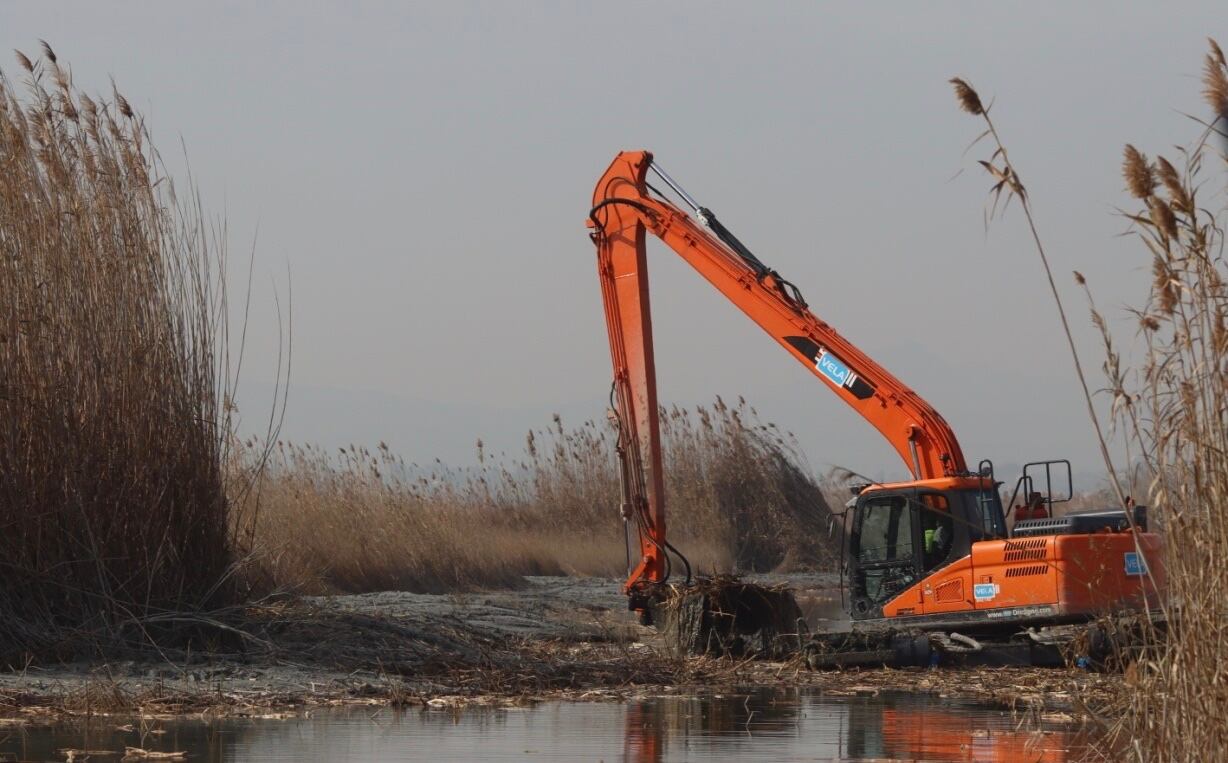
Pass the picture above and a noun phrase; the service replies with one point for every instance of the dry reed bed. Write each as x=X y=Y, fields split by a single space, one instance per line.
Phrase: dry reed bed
x=1170 y=412
x=738 y=497
x=112 y=507
x=1172 y=407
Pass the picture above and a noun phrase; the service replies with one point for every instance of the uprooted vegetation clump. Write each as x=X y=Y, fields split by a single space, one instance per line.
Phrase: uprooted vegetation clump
x=113 y=511
x=739 y=497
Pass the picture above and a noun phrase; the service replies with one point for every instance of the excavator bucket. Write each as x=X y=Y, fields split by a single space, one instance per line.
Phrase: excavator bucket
x=728 y=616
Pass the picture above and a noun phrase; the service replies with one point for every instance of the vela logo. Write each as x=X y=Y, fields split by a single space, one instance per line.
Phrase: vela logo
x=831 y=367
x=1135 y=564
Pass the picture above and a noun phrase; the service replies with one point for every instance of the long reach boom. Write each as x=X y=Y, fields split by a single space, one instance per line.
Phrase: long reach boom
x=623 y=211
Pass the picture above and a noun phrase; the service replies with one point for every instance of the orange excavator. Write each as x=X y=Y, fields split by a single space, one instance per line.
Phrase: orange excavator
x=922 y=558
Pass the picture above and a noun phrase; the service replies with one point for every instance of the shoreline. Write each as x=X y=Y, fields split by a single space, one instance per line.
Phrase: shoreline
x=556 y=639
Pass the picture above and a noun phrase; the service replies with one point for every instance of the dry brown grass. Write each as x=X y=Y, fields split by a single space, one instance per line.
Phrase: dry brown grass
x=738 y=497
x=1170 y=410
x=1171 y=406
x=112 y=505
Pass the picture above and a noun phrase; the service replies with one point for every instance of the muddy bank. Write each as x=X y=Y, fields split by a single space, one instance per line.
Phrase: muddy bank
x=555 y=638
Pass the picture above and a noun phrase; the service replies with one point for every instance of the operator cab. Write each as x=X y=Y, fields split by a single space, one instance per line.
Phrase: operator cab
x=902 y=533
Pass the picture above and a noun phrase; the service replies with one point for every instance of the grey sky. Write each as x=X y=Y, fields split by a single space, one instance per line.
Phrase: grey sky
x=425 y=170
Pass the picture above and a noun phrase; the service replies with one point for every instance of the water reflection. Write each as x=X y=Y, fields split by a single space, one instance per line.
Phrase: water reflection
x=755 y=725
x=894 y=727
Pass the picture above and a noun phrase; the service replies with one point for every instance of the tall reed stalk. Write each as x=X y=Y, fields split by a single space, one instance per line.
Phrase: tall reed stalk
x=1170 y=408
x=112 y=425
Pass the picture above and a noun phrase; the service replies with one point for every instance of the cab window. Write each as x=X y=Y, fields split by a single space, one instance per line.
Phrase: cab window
x=937 y=529
x=987 y=507
x=886 y=531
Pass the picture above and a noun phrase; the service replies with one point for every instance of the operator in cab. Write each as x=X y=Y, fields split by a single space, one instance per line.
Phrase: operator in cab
x=1034 y=508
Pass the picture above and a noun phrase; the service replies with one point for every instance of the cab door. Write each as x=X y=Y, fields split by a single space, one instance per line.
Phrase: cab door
x=884 y=551
x=946 y=536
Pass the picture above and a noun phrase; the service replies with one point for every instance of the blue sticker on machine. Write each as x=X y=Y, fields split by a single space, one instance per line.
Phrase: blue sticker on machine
x=984 y=591
x=1135 y=564
x=831 y=367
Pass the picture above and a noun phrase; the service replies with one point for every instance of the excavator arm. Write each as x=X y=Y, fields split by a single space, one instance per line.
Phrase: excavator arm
x=623 y=212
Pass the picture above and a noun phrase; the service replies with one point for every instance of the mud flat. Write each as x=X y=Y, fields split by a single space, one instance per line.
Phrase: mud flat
x=555 y=638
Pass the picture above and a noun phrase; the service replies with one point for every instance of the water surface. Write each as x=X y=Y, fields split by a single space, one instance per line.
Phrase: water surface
x=756 y=725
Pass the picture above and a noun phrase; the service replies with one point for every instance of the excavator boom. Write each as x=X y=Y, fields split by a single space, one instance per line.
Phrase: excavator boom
x=624 y=211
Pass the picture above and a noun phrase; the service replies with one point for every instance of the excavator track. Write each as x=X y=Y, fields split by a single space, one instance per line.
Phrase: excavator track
x=1104 y=643
x=726 y=616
